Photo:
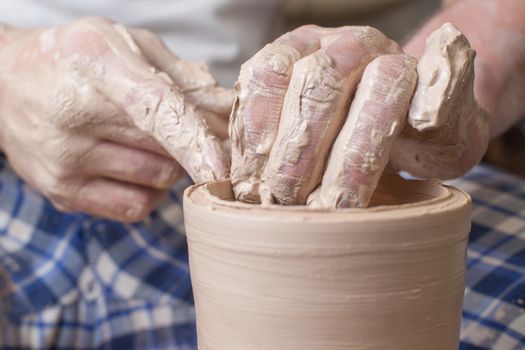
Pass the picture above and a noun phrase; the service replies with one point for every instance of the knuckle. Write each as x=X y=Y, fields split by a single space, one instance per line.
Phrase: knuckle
x=273 y=63
x=372 y=32
x=62 y=169
x=385 y=60
x=61 y=182
x=144 y=200
x=133 y=215
x=140 y=207
x=89 y=36
x=59 y=195
x=56 y=191
x=323 y=87
x=393 y=66
x=375 y=40
x=166 y=177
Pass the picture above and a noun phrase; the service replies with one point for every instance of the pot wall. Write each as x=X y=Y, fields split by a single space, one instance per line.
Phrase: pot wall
x=388 y=277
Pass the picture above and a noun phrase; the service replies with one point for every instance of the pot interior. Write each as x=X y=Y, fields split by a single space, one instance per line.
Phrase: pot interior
x=391 y=190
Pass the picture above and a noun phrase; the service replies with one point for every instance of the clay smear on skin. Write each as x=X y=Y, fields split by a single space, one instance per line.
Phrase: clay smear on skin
x=251 y=144
x=447 y=125
x=353 y=185
x=441 y=78
x=362 y=150
x=105 y=71
x=316 y=90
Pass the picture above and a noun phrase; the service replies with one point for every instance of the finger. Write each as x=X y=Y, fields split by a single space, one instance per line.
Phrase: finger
x=118 y=162
x=449 y=130
x=116 y=200
x=443 y=67
x=217 y=124
x=261 y=87
x=216 y=99
x=127 y=135
x=154 y=105
x=362 y=149
x=194 y=79
x=315 y=107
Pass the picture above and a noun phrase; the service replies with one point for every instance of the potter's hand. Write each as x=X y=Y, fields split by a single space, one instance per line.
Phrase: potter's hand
x=323 y=108
x=448 y=130
x=91 y=114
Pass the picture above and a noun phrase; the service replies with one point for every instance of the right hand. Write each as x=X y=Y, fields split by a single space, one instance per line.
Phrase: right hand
x=92 y=115
x=321 y=111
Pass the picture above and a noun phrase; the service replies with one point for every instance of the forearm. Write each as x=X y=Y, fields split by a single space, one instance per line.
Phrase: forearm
x=496 y=30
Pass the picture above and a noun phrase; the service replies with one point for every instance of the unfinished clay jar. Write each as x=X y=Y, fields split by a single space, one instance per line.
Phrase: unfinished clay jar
x=290 y=278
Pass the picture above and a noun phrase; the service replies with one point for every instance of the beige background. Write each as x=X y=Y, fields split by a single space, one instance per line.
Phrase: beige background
x=396 y=18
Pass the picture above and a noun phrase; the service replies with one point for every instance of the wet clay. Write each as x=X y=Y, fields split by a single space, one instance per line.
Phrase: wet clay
x=250 y=154
x=292 y=103
x=115 y=82
x=297 y=278
x=444 y=74
x=362 y=149
x=445 y=123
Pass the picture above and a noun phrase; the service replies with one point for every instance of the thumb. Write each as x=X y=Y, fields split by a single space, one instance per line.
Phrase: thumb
x=156 y=106
x=448 y=131
x=194 y=79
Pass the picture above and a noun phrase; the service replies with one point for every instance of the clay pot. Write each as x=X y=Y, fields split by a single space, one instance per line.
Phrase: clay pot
x=290 y=278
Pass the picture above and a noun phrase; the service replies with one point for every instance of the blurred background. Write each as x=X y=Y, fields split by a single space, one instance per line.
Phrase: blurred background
x=398 y=19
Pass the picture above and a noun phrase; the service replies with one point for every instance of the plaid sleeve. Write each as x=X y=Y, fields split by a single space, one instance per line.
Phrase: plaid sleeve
x=69 y=281
x=494 y=306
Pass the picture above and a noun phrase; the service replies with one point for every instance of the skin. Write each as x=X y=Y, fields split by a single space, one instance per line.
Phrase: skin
x=451 y=140
x=496 y=30
x=307 y=114
x=362 y=149
x=110 y=108
x=315 y=108
x=100 y=118
x=447 y=128
x=337 y=141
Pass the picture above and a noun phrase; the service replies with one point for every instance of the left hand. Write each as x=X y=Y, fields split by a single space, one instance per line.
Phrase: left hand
x=101 y=119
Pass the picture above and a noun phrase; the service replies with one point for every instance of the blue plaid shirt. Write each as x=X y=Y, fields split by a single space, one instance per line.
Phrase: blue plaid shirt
x=74 y=281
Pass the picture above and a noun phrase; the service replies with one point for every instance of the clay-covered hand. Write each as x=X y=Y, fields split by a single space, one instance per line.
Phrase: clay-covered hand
x=448 y=131
x=92 y=115
x=319 y=111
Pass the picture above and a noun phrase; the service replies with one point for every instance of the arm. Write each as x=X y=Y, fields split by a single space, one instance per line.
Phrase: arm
x=310 y=137
x=496 y=30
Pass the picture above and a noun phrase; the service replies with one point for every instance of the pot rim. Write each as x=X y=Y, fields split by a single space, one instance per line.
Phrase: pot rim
x=432 y=197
